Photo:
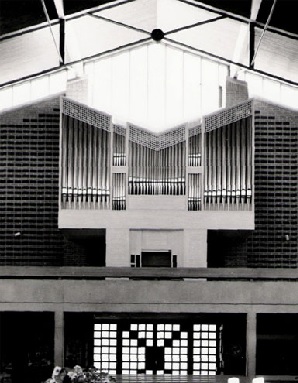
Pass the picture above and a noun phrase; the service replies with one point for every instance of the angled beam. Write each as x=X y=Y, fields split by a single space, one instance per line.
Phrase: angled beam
x=254 y=10
x=60 y=12
x=196 y=24
x=251 y=44
x=62 y=40
x=59 y=8
x=255 y=7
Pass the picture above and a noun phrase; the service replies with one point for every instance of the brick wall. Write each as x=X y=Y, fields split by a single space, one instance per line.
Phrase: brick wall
x=29 y=174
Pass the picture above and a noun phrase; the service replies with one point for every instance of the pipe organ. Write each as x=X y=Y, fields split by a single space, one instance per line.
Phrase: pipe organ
x=228 y=166
x=85 y=165
x=103 y=164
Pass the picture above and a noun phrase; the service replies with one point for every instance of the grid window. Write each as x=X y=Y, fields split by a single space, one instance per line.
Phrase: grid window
x=204 y=349
x=105 y=350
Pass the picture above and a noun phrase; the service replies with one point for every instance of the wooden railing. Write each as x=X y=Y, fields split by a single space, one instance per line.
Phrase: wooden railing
x=94 y=273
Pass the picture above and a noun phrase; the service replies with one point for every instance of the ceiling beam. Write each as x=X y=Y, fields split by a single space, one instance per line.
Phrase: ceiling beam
x=254 y=10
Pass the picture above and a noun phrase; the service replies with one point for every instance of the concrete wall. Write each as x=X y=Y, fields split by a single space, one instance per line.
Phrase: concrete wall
x=155 y=219
x=147 y=296
x=117 y=247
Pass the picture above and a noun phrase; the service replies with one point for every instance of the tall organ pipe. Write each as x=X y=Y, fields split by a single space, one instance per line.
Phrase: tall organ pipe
x=157 y=171
x=228 y=166
x=85 y=164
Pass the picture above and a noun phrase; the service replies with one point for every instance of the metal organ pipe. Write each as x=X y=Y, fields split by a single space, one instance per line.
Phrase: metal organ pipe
x=157 y=171
x=85 y=165
x=228 y=166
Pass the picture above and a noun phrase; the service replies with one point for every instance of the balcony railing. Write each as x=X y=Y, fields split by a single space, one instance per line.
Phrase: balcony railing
x=94 y=273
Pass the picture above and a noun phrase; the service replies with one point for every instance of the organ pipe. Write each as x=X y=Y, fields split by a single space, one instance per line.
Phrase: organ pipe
x=119 y=191
x=85 y=165
x=157 y=171
x=194 y=192
x=228 y=174
x=119 y=155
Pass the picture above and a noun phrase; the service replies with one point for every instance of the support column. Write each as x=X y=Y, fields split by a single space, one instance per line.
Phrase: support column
x=59 y=339
x=251 y=344
x=251 y=44
x=195 y=248
x=62 y=41
x=117 y=247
